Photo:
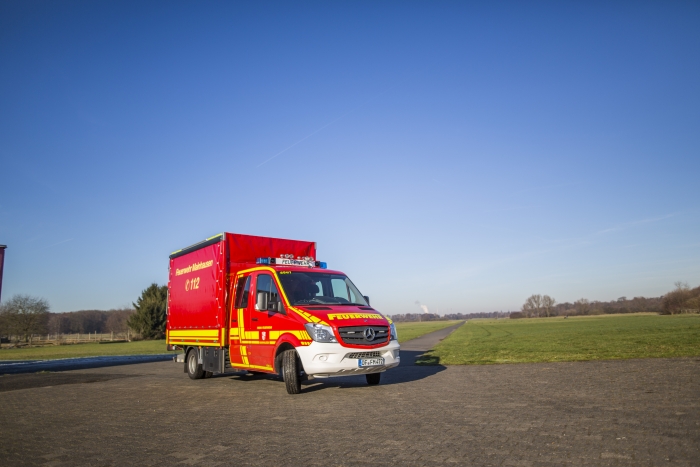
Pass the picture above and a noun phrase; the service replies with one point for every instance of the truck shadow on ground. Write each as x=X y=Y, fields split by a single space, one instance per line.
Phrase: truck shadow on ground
x=406 y=372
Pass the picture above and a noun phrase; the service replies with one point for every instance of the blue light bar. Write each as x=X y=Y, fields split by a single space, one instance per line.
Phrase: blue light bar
x=321 y=265
x=263 y=261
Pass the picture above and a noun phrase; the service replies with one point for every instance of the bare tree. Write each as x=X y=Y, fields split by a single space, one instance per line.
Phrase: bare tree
x=583 y=306
x=548 y=305
x=693 y=304
x=533 y=306
x=25 y=315
x=681 y=300
x=58 y=323
x=117 y=320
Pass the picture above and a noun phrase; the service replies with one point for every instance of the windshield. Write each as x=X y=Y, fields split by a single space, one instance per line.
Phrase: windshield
x=318 y=288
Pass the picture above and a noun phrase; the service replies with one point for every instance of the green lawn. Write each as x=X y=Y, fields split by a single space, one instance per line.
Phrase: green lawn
x=408 y=331
x=85 y=350
x=577 y=338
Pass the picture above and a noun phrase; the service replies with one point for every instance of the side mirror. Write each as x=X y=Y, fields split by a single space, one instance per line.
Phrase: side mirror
x=261 y=304
x=279 y=308
x=366 y=299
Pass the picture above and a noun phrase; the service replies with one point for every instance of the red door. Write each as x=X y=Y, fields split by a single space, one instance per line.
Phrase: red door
x=239 y=306
x=261 y=322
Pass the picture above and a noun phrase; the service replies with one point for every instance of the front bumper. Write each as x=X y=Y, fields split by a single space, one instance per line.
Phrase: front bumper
x=326 y=360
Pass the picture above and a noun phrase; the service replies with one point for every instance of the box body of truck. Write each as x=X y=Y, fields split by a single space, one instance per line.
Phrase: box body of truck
x=241 y=302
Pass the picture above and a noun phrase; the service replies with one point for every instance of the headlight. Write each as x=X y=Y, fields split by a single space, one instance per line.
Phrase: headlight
x=394 y=334
x=320 y=333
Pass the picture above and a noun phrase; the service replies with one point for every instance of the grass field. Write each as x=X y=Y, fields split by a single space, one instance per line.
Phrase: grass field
x=577 y=338
x=408 y=331
x=85 y=350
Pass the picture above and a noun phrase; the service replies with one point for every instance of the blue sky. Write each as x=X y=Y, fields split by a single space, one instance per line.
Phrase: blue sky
x=464 y=155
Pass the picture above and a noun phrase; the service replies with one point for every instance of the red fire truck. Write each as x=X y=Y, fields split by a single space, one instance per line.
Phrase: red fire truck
x=240 y=302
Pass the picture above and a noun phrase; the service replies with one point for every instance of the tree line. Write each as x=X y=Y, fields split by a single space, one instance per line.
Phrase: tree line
x=23 y=316
x=682 y=299
x=89 y=321
x=417 y=317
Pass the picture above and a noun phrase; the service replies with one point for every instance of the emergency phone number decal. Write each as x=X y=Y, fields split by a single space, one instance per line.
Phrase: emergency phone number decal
x=191 y=284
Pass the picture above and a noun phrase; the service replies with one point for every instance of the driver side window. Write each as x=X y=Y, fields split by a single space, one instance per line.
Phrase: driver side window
x=266 y=285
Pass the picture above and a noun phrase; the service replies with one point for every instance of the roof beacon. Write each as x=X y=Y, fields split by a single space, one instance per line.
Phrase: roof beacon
x=305 y=262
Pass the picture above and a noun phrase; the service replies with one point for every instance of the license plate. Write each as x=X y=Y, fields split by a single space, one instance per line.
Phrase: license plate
x=370 y=362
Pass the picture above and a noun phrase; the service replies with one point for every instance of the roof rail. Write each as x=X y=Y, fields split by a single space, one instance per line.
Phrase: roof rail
x=209 y=241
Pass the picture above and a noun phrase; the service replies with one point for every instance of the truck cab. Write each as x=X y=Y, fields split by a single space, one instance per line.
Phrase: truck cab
x=280 y=313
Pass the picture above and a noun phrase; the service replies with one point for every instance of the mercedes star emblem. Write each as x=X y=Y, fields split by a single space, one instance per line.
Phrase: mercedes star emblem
x=369 y=334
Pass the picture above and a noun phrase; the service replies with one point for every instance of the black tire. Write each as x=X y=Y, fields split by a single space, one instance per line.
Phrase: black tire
x=373 y=378
x=290 y=371
x=194 y=368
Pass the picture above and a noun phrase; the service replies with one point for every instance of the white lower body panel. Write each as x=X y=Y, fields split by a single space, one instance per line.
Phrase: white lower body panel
x=326 y=360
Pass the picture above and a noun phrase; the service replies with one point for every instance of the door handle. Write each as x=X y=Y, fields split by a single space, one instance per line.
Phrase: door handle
x=254 y=319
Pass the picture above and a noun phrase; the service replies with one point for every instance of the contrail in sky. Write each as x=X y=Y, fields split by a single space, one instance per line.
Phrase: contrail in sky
x=54 y=244
x=324 y=126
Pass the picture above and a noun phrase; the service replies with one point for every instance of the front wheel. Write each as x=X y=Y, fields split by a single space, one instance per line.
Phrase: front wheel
x=194 y=369
x=290 y=371
x=373 y=378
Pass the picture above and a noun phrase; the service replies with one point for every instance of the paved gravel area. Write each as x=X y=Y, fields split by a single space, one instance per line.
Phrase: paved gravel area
x=628 y=413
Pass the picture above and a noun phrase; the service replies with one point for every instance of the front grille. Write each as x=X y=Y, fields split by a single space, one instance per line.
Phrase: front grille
x=355 y=335
x=359 y=355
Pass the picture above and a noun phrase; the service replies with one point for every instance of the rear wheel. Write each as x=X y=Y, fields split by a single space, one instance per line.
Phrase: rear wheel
x=291 y=371
x=373 y=378
x=194 y=369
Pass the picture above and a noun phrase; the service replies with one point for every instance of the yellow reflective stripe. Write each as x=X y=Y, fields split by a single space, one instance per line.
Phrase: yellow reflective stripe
x=308 y=316
x=195 y=333
x=197 y=344
x=193 y=339
x=257 y=367
x=257 y=268
x=244 y=354
x=265 y=367
x=301 y=335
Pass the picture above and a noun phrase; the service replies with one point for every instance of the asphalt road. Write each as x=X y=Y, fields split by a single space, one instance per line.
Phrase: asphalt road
x=631 y=413
x=78 y=363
